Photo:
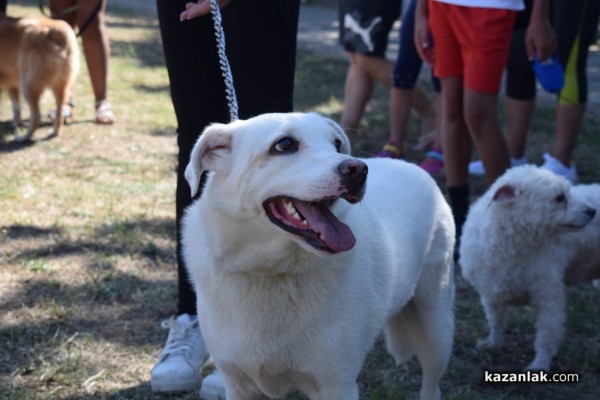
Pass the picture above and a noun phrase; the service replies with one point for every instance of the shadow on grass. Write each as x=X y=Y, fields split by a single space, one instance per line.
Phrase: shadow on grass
x=15 y=146
x=105 y=306
x=117 y=238
x=110 y=296
x=15 y=232
x=59 y=345
x=152 y=89
x=142 y=390
x=114 y=300
x=147 y=53
x=162 y=132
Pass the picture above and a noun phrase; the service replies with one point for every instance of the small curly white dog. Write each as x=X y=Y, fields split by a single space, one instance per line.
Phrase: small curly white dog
x=524 y=240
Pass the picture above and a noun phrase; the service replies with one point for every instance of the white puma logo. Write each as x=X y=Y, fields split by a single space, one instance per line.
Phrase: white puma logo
x=364 y=33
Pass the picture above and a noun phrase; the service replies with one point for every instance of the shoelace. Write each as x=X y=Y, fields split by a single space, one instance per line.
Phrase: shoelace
x=179 y=339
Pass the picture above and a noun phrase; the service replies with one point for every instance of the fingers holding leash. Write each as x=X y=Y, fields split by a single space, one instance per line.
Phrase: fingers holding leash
x=199 y=9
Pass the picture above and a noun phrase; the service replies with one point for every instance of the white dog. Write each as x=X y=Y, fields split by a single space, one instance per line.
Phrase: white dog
x=289 y=296
x=529 y=235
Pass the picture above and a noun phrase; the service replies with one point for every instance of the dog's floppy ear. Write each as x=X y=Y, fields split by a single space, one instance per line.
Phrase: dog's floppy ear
x=209 y=153
x=505 y=192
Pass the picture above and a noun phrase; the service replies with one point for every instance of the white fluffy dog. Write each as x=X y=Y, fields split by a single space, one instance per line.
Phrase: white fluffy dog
x=289 y=296
x=531 y=234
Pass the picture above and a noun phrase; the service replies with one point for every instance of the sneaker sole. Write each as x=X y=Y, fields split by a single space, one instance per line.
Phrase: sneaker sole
x=171 y=387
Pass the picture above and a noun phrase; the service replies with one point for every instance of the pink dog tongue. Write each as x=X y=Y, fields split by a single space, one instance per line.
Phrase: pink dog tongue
x=334 y=233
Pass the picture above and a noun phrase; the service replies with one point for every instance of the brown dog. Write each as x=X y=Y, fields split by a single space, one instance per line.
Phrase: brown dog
x=36 y=54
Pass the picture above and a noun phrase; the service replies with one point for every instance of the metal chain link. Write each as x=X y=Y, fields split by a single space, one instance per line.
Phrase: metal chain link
x=224 y=62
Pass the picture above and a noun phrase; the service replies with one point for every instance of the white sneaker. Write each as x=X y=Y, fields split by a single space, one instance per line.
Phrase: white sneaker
x=476 y=167
x=212 y=387
x=178 y=367
x=554 y=165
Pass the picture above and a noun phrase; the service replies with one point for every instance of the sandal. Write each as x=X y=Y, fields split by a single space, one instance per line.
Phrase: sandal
x=433 y=163
x=104 y=114
x=68 y=112
x=390 y=150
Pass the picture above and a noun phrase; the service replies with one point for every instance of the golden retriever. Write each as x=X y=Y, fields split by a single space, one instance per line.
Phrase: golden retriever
x=38 y=53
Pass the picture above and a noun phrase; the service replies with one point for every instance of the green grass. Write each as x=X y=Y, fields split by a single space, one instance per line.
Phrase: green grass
x=87 y=249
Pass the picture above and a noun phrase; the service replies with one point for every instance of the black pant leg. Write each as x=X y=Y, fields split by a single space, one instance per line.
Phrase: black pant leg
x=261 y=47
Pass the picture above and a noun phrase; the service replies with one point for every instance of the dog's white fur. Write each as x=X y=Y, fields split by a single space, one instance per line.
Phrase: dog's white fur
x=527 y=237
x=278 y=314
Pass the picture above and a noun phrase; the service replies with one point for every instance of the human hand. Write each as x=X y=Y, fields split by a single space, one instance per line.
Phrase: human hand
x=422 y=34
x=540 y=40
x=199 y=8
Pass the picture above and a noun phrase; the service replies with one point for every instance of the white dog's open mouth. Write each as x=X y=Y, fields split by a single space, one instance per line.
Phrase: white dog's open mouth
x=312 y=220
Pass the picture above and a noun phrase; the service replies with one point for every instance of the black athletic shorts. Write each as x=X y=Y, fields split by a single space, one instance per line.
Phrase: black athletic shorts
x=366 y=24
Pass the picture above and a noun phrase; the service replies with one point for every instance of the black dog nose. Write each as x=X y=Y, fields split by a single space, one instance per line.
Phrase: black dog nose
x=353 y=169
x=591 y=212
x=353 y=175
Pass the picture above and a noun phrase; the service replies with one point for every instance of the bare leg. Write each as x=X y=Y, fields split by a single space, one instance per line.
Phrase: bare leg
x=481 y=118
x=426 y=110
x=437 y=141
x=378 y=68
x=568 y=122
x=357 y=92
x=95 y=45
x=401 y=101
x=456 y=141
x=518 y=116
x=362 y=73
x=60 y=9
x=434 y=161
x=400 y=104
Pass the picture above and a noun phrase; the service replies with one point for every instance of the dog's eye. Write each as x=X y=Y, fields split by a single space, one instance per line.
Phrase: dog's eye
x=338 y=145
x=285 y=145
x=561 y=198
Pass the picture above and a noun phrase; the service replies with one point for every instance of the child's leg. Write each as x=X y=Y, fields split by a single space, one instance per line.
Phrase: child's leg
x=455 y=138
x=481 y=118
x=575 y=25
x=456 y=143
x=485 y=37
x=357 y=92
x=519 y=102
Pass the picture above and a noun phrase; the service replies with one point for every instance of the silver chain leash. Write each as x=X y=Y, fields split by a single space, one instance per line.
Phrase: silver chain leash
x=223 y=61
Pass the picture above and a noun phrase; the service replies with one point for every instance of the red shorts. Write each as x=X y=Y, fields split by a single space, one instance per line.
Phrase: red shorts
x=471 y=42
